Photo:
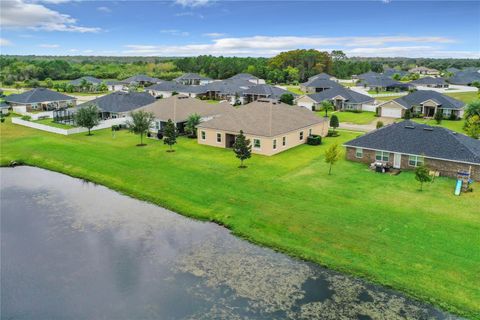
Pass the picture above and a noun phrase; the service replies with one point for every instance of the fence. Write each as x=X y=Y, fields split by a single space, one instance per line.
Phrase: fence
x=33 y=116
x=103 y=125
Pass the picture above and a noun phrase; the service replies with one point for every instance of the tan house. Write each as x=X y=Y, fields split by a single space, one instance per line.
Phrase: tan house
x=271 y=126
x=425 y=71
x=179 y=107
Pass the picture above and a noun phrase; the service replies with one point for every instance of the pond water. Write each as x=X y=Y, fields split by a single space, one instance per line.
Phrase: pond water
x=74 y=250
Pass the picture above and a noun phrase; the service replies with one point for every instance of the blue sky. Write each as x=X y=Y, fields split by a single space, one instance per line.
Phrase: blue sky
x=242 y=28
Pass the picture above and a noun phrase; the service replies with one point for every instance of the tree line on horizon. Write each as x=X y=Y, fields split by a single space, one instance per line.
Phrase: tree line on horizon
x=287 y=67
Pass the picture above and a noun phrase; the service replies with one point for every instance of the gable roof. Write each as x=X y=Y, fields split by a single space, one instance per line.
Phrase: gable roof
x=263 y=118
x=141 y=78
x=420 y=139
x=244 y=76
x=191 y=76
x=38 y=95
x=429 y=80
x=120 y=101
x=349 y=95
x=382 y=81
x=320 y=82
x=452 y=70
x=171 y=86
x=420 y=96
x=89 y=79
x=464 y=77
x=271 y=92
x=323 y=75
x=229 y=86
x=369 y=74
x=178 y=108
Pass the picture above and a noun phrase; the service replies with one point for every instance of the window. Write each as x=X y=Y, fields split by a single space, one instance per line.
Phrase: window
x=256 y=143
x=447 y=112
x=359 y=153
x=219 y=138
x=415 y=161
x=309 y=132
x=274 y=144
x=382 y=156
x=284 y=141
x=203 y=135
x=301 y=135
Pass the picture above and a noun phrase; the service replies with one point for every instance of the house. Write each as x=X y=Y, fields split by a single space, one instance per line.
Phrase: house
x=39 y=99
x=422 y=102
x=141 y=79
x=247 y=77
x=4 y=108
x=366 y=75
x=86 y=80
x=179 y=107
x=113 y=85
x=464 y=78
x=407 y=144
x=324 y=76
x=425 y=71
x=166 y=89
x=452 y=70
x=264 y=91
x=192 y=79
x=318 y=83
x=119 y=104
x=382 y=83
x=430 y=82
x=342 y=99
x=391 y=72
x=271 y=126
x=230 y=89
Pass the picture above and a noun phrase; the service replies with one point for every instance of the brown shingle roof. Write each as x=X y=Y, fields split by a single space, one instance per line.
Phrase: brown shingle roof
x=179 y=107
x=263 y=118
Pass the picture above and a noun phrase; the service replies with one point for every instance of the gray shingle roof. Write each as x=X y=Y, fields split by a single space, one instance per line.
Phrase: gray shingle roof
x=391 y=72
x=349 y=95
x=382 y=81
x=191 y=76
x=464 y=77
x=420 y=139
x=265 y=119
x=429 y=80
x=452 y=70
x=89 y=79
x=141 y=78
x=320 y=82
x=38 y=95
x=323 y=75
x=121 y=101
x=417 y=97
x=243 y=76
x=229 y=86
x=171 y=86
x=267 y=91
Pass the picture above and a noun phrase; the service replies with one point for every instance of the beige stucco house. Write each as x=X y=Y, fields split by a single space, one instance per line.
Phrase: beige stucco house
x=271 y=126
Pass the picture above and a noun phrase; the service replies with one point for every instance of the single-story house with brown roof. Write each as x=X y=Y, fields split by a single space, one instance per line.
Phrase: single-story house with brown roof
x=179 y=108
x=271 y=126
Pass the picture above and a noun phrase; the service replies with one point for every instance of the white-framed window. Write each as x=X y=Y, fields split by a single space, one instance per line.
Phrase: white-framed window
x=256 y=144
x=284 y=141
x=415 y=161
x=382 y=156
x=274 y=144
x=300 y=136
x=219 y=137
x=358 y=153
x=203 y=134
x=447 y=112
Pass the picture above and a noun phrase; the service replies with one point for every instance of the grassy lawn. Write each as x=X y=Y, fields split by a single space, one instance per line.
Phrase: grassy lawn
x=464 y=96
x=449 y=124
x=49 y=122
x=295 y=89
x=382 y=99
x=364 y=117
x=376 y=226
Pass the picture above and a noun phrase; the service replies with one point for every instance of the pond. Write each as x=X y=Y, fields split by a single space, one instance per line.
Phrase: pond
x=75 y=250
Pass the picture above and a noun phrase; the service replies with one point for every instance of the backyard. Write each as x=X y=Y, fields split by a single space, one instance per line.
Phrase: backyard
x=380 y=227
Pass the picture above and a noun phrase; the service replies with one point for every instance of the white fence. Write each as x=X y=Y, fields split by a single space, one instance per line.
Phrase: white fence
x=33 y=116
x=103 y=125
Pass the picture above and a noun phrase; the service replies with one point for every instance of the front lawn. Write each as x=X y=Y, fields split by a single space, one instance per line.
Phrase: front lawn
x=376 y=226
x=364 y=117
x=466 y=97
x=295 y=89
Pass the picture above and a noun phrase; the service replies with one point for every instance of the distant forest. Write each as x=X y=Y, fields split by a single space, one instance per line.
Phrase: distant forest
x=287 y=67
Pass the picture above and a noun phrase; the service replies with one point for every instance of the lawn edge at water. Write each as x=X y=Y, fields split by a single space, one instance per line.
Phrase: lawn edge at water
x=264 y=242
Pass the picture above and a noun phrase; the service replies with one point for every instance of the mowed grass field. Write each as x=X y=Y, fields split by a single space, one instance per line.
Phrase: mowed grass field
x=381 y=227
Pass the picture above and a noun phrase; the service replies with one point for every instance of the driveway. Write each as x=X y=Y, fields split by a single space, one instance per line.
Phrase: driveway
x=366 y=127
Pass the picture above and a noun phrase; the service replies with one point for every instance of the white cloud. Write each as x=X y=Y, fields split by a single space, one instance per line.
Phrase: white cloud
x=175 y=32
x=193 y=3
x=189 y=14
x=272 y=45
x=214 y=34
x=104 y=9
x=21 y=14
x=88 y=51
x=5 y=42
x=46 y=45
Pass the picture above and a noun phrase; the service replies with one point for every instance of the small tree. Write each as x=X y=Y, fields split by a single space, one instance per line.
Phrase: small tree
x=242 y=148
x=87 y=117
x=472 y=108
x=326 y=106
x=140 y=123
x=332 y=155
x=472 y=126
x=334 y=123
x=287 y=98
x=379 y=124
x=422 y=175
x=48 y=83
x=438 y=116
x=191 y=126
x=170 y=134
x=408 y=114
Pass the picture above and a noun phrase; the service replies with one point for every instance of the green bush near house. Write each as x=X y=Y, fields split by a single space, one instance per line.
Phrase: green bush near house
x=314 y=140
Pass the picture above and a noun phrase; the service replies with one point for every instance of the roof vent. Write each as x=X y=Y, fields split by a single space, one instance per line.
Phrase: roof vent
x=428 y=129
x=409 y=127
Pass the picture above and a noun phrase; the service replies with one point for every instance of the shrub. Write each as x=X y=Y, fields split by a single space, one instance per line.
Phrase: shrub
x=332 y=133
x=452 y=116
x=314 y=140
x=160 y=135
x=26 y=118
x=379 y=124
x=408 y=114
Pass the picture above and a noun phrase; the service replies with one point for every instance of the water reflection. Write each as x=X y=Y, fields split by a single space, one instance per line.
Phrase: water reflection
x=74 y=250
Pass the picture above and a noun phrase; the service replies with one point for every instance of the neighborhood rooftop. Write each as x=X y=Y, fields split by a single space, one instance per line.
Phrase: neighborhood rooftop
x=192 y=76
x=119 y=101
x=141 y=78
x=38 y=95
x=267 y=90
x=420 y=96
x=429 y=81
x=88 y=79
x=349 y=95
x=263 y=118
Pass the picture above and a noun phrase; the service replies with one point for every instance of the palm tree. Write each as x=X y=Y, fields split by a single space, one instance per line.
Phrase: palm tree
x=326 y=105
